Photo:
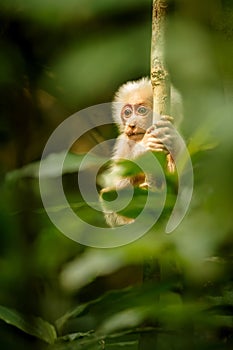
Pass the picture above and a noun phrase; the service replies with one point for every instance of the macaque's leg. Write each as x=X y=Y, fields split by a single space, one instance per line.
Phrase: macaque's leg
x=112 y=218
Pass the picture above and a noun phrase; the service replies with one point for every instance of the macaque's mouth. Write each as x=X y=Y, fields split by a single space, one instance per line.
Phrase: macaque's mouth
x=132 y=134
x=134 y=131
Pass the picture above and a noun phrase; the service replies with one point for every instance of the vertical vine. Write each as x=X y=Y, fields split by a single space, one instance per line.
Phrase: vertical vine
x=161 y=106
x=159 y=75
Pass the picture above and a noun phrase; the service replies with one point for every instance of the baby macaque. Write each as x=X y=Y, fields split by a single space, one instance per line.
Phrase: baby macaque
x=133 y=113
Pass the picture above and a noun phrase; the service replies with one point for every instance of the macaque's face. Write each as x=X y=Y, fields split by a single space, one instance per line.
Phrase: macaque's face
x=132 y=108
x=136 y=118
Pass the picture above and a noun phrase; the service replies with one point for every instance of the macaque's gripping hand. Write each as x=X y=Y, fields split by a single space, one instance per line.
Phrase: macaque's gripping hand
x=161 y=136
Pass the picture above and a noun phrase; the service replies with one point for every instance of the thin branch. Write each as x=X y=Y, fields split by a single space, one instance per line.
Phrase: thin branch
x=159 y=75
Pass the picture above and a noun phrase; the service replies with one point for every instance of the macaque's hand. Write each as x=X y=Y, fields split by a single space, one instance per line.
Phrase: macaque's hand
x=161 y=137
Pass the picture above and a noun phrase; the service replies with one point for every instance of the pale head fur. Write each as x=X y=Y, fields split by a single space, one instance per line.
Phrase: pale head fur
x=133 y=92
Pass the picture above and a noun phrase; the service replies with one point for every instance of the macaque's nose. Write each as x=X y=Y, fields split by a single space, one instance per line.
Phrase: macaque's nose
x=132 y=124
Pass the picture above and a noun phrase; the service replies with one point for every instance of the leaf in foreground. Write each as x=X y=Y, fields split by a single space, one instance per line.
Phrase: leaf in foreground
x=29 y=324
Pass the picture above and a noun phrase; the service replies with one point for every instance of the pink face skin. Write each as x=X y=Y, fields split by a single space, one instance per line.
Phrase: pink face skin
x=136 y=118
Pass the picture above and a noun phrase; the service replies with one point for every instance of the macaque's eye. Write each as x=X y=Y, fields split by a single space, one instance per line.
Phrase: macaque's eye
x=142 y=110
x=127 y=112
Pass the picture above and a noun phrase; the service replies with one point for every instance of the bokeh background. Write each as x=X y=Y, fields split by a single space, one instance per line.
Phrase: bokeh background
x=56 y=58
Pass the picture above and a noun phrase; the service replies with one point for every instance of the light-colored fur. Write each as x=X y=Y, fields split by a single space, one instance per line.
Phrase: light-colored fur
x=130 y=146
x=131 y=92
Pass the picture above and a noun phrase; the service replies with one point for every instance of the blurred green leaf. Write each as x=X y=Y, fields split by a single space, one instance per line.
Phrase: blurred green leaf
x=127 y=344
x=94 y=341
x=32 y=325
x=92 y=263
x=138 y=299
x=51 y=166
x=55 y=12
x=202 y=140
x=85 y=82
x=128 y=318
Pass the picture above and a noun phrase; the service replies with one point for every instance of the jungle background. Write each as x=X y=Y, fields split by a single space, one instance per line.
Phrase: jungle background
x=56 y=58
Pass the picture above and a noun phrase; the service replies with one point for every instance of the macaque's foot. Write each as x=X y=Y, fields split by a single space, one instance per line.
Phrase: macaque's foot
x=113 y=219
x=170 y=164
x=106 y=190
x=144 y=186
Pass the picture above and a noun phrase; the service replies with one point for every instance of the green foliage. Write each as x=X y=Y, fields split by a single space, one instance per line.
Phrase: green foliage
x=29 y=324
x=57 y=12
x=51 y=166
x=58 y=57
